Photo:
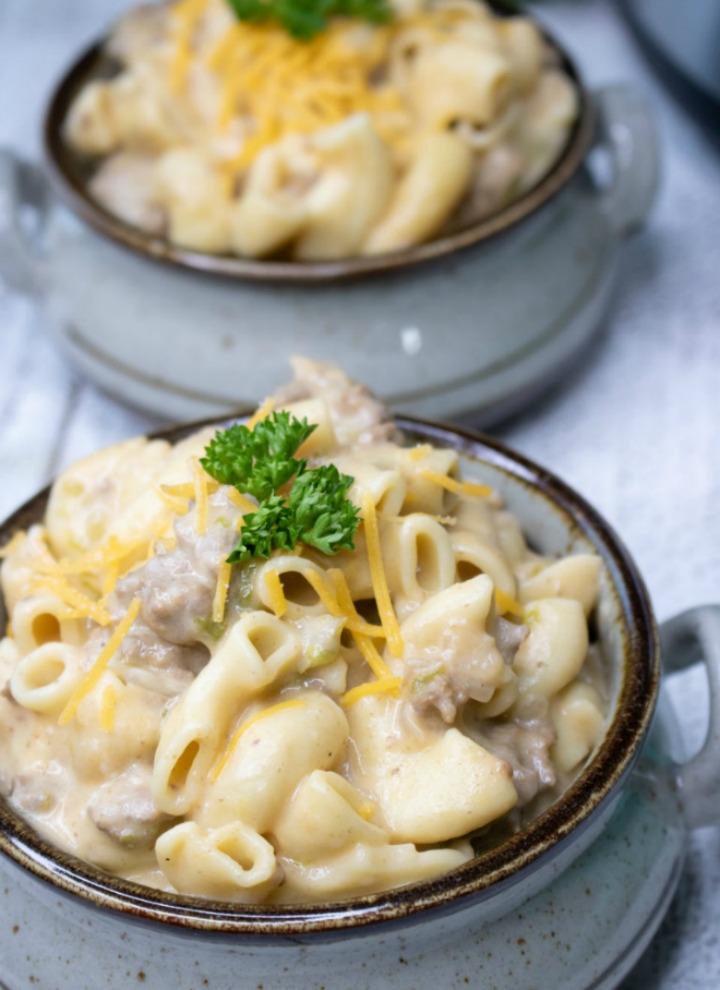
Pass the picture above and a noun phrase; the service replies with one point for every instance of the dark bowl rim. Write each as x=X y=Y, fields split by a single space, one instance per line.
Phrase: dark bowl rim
x=61 y=164
x=485 y=875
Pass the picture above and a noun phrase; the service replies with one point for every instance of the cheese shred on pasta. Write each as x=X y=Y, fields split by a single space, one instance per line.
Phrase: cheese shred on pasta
x=241 y=502
x=467 y=488
x=283 y=706
x=506 y=603
x=379 y=579
x=107 y=708
x=262 y=413
x=386 y=685
x=104 y=657
x=347 y=607
x=278 y=601
x=221 y=590
x=179 y=505
x=72 y=597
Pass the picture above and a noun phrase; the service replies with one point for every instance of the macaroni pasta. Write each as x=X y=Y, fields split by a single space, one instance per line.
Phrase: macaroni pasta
x=230 y=136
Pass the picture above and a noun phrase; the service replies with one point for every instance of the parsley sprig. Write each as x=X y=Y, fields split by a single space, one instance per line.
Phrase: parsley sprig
x=259 y=462
x=303 y=19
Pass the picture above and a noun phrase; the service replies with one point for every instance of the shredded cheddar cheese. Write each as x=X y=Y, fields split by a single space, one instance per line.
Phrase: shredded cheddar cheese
x=366 y=810
x=468 y=488
x=379 y=578
x=243 y=728
x=261 y=413
x=104 y=657
x=278 y=85
x=347 y=607
x=71 y=597
x=328 y=597
x=370 y=653
x=506 y=603
x=386 y=685
x=419 y=452
x=179 y=505
x=278 y=601
x=186 y=16
x=221 y=591
x=242 y=502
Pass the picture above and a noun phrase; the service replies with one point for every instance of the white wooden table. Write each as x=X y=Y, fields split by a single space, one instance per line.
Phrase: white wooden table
x=636 y=430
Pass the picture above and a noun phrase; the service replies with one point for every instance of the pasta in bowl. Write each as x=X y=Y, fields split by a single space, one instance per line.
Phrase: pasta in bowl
x=432 y=129
x=241 y=675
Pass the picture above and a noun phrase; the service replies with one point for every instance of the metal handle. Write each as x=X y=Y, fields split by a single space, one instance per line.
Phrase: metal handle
x=24 y=195
x=693 y=637
x=626 y=130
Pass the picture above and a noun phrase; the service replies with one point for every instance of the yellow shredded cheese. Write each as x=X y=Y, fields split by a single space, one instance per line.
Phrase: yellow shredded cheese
x=386 y=685
x=243 y=728
x=347 y=607
x=457 y=487
x=280 y=85
x=419 y=452
x=186 y=15
x=366 y=810
x=261 y=413
x=221 y=590
x=179 y=505
x=201 y=497
x=112 y=572
x=278 y=601
x=104 y=657
x=371 y=655
x=187 y=489
x=107 y=708
x=506 y=603
x=70 y=596
x=379 y=578
x=241 y=501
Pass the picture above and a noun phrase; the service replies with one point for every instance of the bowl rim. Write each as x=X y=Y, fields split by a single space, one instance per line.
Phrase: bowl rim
x=64 y=169
x=486 y=874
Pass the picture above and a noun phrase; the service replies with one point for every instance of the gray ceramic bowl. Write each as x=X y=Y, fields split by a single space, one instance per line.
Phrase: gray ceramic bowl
x=615 y=838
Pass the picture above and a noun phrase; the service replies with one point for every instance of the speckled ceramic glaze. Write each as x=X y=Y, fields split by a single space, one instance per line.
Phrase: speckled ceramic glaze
x=571 y=901
x=474 y=323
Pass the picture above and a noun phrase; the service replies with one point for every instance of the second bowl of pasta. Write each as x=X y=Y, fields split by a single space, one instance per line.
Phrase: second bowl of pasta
x=322 y=696
x=381 y=177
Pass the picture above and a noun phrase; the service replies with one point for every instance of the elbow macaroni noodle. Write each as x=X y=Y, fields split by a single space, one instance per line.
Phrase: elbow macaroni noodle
x=319 y=739
x=230 y=136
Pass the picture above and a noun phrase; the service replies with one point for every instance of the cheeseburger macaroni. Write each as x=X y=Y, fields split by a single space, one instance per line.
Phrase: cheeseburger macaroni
x=303 y=727
x=231 y=136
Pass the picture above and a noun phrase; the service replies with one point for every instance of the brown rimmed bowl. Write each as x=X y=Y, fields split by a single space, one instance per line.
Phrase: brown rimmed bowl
x=614 y=839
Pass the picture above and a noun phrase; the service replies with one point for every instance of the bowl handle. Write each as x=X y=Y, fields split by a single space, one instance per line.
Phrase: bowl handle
x=626 y=130
x=687 y=639
x=25 y=198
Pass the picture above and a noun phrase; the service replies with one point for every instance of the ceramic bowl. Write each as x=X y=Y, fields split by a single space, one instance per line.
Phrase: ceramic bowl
x=474 y=323
x=517 y=916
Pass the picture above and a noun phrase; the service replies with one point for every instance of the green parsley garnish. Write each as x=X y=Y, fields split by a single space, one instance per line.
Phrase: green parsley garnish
x=259 y=462
x=303 y=19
